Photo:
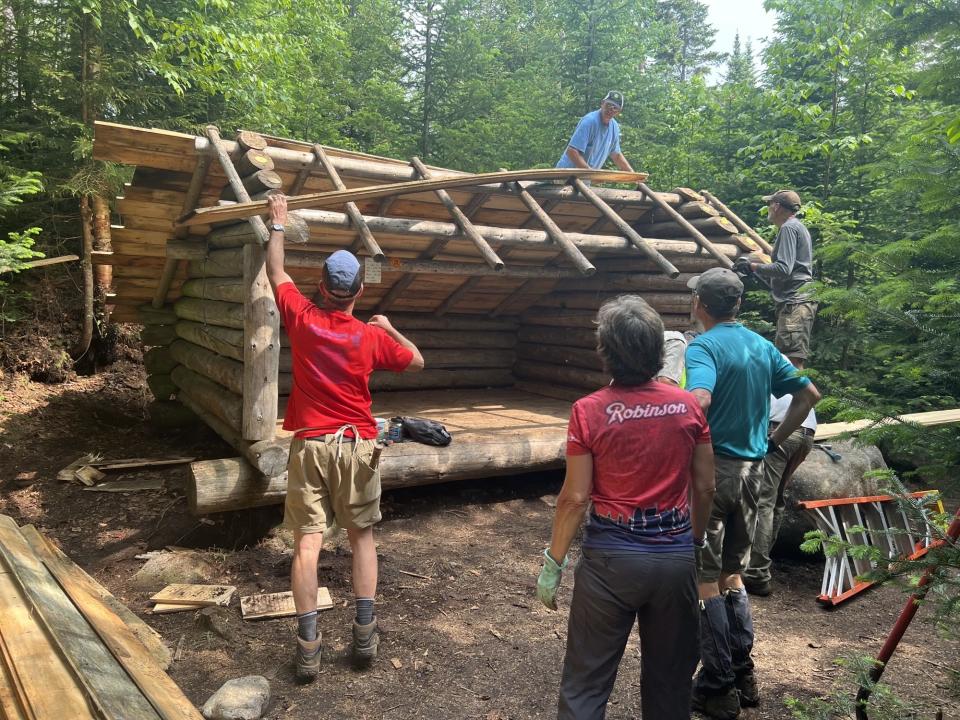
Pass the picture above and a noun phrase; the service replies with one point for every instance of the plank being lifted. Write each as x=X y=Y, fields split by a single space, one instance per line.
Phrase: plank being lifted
x=333 y=198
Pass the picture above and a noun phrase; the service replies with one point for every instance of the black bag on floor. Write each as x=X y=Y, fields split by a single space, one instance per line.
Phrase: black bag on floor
x=428 y=432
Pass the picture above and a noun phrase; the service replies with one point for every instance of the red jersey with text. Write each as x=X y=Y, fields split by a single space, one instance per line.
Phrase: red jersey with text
x=642 y=440
x=333 y=356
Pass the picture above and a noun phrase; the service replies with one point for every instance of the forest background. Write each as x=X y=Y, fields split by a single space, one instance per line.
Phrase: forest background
x=854 y=103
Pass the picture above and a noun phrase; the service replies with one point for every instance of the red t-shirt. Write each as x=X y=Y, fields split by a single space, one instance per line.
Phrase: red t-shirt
x=333 y=356
x=642 y=440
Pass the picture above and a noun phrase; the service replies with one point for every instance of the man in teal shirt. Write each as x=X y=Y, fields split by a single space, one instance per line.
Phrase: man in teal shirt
x=732 y=372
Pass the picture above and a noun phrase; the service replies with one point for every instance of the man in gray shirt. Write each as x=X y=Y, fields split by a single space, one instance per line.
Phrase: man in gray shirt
x=788 y=275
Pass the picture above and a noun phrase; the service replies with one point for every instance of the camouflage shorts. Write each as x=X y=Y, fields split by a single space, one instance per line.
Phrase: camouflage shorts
x=794 y=326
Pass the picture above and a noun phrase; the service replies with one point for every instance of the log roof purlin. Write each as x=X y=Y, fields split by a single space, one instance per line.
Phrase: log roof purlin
x=430 y=264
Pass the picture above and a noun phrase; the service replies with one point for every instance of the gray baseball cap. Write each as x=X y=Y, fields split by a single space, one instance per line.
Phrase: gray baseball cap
x=718 y=289
x=342 y=269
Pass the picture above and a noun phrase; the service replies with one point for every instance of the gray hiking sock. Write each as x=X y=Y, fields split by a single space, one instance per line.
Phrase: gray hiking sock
x=307 y=626
x=364 y=611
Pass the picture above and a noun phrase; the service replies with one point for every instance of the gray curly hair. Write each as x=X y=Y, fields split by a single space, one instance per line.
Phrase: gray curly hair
x=630 y=339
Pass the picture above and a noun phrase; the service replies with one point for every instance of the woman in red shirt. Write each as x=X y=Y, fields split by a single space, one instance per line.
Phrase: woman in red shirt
x=640 y=452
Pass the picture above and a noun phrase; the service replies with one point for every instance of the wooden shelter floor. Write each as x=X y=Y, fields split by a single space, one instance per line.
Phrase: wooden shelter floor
x=494 y=411
x=495 y=432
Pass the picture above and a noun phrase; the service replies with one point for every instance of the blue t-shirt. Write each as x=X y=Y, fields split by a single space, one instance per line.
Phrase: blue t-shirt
x=741 y=370
x=595 y=141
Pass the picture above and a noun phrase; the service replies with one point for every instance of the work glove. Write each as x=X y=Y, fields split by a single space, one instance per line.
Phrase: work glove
x=741 y=266
x=549 y=580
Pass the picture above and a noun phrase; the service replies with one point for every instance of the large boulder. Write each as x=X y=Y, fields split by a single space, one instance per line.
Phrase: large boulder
x=820 y=478
x=167 y=567
x=244 y=698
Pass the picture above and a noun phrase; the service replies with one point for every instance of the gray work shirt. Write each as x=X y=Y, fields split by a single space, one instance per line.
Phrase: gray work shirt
x=791 y=266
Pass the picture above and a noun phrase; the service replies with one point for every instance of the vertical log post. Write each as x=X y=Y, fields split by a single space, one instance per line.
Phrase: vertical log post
x=685 y=224
x=735 y=219
x=628 y=232
x=261 y=321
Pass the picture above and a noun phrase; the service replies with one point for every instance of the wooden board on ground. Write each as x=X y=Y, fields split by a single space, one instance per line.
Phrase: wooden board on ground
x=136 y=463
x=128 y=485
x=144 y=633
x=104 y=681
x=277 y=605
x=157 y=692
x=195 y=595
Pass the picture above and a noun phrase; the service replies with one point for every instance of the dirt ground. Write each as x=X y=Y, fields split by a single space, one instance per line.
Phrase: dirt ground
x=466 y=640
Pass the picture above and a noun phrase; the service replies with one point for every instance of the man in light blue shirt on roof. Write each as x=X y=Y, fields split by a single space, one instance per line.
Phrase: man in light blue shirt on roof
x=597 y=138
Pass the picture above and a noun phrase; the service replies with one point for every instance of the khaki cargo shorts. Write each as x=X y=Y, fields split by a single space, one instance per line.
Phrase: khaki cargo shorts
x=733 y=518
x=330 y=477
x=794 y=327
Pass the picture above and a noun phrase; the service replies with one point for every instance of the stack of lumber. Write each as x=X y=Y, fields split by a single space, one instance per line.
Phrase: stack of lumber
x=69 y=649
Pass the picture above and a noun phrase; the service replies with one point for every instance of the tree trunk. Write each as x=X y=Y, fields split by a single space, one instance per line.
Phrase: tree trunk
x=86 y=267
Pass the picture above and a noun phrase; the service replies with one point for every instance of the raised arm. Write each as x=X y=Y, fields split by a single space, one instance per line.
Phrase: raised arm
x=381 y=321
x=278 y=216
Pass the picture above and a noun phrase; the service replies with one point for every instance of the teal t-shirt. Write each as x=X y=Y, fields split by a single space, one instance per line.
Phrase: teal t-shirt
x=741 y=370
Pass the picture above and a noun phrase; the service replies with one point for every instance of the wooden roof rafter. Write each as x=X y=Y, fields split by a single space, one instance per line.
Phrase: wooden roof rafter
x=568 y=249
x=405 y=226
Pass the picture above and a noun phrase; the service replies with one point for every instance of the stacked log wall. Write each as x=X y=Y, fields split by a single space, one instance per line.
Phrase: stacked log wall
x=460 y=351
x=556 y=351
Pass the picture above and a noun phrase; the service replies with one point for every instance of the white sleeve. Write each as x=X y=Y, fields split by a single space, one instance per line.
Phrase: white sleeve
x=674 y=346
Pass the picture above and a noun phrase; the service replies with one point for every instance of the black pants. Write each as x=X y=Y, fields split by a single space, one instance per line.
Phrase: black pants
x=612 y=590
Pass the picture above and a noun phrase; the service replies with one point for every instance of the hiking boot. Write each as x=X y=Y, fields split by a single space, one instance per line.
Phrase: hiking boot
x=747 y=690
x=722 y=705
x=308 y=658
x=760 y=588
x=366 y=640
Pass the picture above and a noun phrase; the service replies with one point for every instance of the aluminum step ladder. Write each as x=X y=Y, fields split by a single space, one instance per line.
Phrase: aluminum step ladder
x=878 y=521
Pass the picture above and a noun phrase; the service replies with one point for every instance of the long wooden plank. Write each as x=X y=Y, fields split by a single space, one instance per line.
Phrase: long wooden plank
x=44 y=684
x=14 y=704
x=145 y=634
x=160 y=698
x=338 y=197
x=107 y=684
x=933 y=418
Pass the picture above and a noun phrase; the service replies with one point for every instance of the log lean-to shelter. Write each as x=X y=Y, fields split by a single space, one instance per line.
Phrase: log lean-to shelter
x=497 y=281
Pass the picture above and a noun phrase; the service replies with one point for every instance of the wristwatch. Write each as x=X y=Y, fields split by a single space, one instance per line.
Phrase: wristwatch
x=276 y=227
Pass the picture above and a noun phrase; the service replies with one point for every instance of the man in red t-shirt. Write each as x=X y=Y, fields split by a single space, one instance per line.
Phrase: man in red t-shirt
x=331 y=474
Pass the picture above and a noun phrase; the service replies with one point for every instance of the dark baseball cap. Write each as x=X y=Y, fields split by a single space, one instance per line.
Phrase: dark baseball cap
x=788 y=198
x=614 y=97
x=341 y=274
x=719 y=289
